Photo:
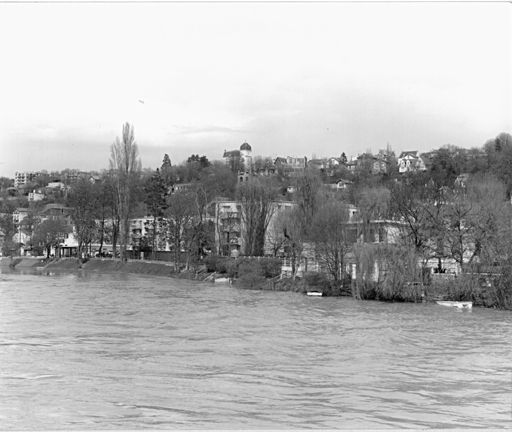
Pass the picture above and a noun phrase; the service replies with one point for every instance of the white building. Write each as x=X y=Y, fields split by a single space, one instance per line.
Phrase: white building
x=410 y=161
x=23 y=178
x=246 y=155
x=36 y=195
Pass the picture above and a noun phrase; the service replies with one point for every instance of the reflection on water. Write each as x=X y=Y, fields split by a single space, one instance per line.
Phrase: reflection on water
x=92 y=351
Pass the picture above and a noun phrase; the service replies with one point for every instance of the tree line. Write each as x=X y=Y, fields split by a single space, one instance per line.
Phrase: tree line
x=444 y=215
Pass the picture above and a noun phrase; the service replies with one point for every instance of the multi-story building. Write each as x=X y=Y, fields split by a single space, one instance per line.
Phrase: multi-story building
x=229 y=226
x=227 y=219
x=22 y=178
x=141 y=230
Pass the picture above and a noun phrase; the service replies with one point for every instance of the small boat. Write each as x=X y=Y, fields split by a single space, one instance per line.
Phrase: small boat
x=457 y=304
x=314 y=293
x=222 y=280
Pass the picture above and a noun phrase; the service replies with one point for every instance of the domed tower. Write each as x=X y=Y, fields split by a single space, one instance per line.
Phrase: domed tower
x=246 y=155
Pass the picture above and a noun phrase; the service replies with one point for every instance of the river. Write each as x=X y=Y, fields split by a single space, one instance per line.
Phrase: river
x=93 y=351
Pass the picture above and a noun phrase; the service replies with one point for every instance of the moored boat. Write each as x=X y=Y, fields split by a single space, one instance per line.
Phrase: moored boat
x=457 y=304
x=314 y=293
x=222 y=280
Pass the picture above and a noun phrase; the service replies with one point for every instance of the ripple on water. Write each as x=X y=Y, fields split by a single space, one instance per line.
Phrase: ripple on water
x=111 y=351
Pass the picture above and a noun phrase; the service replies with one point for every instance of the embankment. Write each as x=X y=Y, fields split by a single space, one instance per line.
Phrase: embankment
x=140 y=267
x=22 y=262
x=114 y=266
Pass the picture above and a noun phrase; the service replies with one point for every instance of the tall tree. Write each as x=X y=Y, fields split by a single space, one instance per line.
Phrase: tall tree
x=28 y=224
x=330 y=236
x=446 y=164
x=373 y=203
x=292 y=223
x=499 y=156
x=166 y=171
x=459 y=235
x=307 y=195
x=256 y=198
x=83 y=198
x=8 y=229
x=50 y=233
x=106 y=214
x=125 y=166
x=155 y=200
x=179 y=214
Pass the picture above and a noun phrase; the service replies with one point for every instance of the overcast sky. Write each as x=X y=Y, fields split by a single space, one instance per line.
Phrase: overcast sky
x=289 y=78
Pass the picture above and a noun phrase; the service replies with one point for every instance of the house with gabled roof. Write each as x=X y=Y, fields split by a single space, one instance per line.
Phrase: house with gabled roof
x=411 y=161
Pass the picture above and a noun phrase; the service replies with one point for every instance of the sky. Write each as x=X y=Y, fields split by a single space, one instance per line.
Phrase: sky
x=297 y=79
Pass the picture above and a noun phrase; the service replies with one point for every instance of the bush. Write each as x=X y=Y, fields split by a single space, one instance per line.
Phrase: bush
x=271 y=267
x=491 y=291
x=251 y=275
x=460 y=288
x=503 y=290
x=399 y=290
x=368 y=290
x=317 y=281
x=215 y=263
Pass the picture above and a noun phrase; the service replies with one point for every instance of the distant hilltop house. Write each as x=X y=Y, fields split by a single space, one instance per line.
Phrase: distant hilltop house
x=341 y=184
x=291 y=164
x=239 y=160
x=294 y=162
x=180 y=187
x=54 y=211
x=410 y=161
x=319 y=164
x=352 y=164
x=56 y=184
x=36 y=195
x=462 y=180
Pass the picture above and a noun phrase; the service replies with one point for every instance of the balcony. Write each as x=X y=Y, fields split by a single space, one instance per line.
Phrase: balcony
x=230 y=215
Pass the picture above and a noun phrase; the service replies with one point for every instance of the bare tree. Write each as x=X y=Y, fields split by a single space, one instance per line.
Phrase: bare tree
x=179 y=213
x=292 y=223
x=330 y=235
x=256 y=199
x=84 y=200
x=125 y=166
x=373 y=203
x=307 y=196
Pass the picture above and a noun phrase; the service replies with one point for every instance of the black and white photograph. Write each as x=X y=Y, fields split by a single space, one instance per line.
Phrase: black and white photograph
x=255 y=215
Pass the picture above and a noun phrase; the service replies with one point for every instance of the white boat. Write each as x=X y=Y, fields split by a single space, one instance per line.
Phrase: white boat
x=314 y=293
x=457 y=304
x=221 y=280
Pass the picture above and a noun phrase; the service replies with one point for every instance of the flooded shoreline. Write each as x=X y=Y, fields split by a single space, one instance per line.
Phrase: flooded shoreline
x=125 y=351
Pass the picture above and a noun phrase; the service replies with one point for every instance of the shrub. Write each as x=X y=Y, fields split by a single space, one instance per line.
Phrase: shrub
x=317 y=281
x=210 y=262
x=368 y=289
x=271 y=267
x=216 y=263
x=251 y=275
x=232 y=268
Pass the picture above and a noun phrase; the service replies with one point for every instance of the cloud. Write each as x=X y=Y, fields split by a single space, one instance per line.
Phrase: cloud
x=206 y=130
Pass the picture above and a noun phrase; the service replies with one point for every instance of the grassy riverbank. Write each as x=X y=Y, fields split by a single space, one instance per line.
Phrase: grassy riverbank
x=264 y=274
x=22 y=262
x=113 y=266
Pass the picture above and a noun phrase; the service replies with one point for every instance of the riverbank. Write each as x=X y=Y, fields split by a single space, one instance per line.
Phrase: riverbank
x=245 y=277
x=115 y=266
x=22 y=262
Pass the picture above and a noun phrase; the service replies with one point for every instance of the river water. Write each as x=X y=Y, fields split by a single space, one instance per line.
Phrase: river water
x=93 y=351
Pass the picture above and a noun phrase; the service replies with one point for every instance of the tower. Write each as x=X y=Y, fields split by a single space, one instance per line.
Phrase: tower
x=246 y=155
